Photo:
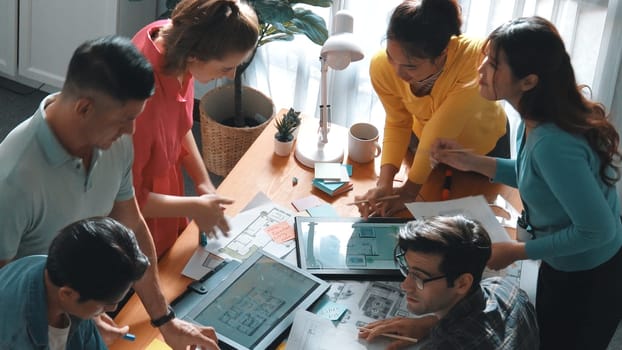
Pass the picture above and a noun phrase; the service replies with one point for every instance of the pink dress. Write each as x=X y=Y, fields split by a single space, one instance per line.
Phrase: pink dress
x=160 y=130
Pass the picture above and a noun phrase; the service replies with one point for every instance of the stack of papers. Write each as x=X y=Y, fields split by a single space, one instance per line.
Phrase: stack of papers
x=333 y=178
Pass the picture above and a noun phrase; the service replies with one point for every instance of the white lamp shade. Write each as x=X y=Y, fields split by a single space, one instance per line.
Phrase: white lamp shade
x=341 y=49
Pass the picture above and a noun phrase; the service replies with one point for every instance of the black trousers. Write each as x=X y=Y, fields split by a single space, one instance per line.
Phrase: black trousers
x=502 y=148
x=579 y=310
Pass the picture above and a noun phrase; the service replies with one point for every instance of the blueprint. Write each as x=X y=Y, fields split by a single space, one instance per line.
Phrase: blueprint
x=247 y=234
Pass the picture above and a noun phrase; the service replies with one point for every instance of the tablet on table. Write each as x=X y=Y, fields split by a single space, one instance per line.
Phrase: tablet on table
x=348 y=248
x=255 y=304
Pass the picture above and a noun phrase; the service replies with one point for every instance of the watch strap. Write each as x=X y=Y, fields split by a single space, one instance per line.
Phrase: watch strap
x=160 y=321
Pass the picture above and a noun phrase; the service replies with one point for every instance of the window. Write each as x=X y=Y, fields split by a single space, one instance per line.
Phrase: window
x=290 y=72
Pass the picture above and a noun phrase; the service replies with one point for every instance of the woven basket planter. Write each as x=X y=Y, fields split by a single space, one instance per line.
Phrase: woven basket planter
x=222 y=145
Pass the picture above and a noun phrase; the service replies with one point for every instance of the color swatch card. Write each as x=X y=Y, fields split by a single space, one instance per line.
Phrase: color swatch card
x=324 y=210
x=307 y=202
x=332 y=188
x=280 y=232
x=331 y=310
x=331 y=172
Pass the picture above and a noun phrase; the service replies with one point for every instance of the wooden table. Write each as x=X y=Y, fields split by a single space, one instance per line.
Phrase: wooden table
x=261 y=170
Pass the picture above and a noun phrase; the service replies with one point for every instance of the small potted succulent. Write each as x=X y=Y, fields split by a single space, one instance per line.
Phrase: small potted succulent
x=284 y=136
x=294 y=118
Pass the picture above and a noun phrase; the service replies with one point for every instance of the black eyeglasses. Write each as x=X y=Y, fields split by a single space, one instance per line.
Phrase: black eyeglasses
x=400 y=259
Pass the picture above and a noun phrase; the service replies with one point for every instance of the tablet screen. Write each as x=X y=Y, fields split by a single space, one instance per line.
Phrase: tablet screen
x=258 y=301
x=347 y=247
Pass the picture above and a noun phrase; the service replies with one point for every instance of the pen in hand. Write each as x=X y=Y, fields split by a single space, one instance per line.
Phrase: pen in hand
x=202 y=238
x=129 y=336
x=393 y=336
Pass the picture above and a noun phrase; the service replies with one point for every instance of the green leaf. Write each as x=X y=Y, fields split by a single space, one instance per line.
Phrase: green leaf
x=311 y=25
x=284 y=128
x=318 y=3
x=279 y=27
x=273 y=11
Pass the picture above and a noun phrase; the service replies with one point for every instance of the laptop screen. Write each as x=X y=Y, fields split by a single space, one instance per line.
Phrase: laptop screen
x=255 y=304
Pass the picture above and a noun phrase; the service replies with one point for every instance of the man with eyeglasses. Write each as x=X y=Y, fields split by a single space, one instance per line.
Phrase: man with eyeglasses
x=442 y=259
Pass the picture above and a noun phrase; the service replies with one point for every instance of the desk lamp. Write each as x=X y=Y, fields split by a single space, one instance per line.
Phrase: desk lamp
x=337 y=52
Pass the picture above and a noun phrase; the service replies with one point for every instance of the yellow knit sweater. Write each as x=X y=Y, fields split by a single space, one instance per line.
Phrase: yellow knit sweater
x=454 y=109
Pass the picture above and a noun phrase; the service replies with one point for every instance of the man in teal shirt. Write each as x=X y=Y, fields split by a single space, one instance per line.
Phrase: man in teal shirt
x=49 y=302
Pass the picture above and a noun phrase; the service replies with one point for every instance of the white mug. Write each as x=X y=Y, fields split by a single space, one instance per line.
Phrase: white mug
x=363 y=144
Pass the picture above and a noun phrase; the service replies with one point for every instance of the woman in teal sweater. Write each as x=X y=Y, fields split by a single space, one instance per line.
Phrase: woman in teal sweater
x=565 y=172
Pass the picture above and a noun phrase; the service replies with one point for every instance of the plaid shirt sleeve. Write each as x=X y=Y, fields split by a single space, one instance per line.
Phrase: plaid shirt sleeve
x=498 y=316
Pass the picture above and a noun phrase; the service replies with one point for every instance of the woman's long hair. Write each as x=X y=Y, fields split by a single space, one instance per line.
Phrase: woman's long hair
x=532 y=45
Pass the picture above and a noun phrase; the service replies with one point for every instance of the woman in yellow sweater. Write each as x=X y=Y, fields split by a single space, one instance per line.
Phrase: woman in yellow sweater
x=427 y=82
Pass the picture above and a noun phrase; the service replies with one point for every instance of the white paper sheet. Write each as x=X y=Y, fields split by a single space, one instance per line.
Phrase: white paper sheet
x=247 y=234
x=474 y=207
x=313 y=332
x=201 y=262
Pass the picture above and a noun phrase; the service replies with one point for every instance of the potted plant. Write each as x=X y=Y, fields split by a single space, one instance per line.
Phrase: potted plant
x=284 y=136
x=281 y=20
x=233 y=116
x=228 y=129
x=293 y=117
x=227 y=132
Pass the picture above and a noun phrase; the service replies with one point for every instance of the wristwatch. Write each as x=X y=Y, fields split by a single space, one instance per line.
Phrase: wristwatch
x=170 y=314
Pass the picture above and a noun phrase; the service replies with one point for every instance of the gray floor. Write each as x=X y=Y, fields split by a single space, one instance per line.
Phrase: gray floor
x=17 y=103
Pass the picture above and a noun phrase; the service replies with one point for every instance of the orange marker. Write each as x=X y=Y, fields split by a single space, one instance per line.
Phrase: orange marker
x=446 y=185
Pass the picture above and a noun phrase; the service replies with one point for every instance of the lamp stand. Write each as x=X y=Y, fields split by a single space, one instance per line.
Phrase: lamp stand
x=310 y=149
x=313 y=146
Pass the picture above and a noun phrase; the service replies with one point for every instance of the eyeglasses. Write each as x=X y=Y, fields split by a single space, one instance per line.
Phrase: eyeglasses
x=402 y=264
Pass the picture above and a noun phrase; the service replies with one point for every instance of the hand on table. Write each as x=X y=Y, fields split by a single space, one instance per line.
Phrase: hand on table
x=108 y=329
x=180 y=335
x=209 y=214
x=417 y=328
